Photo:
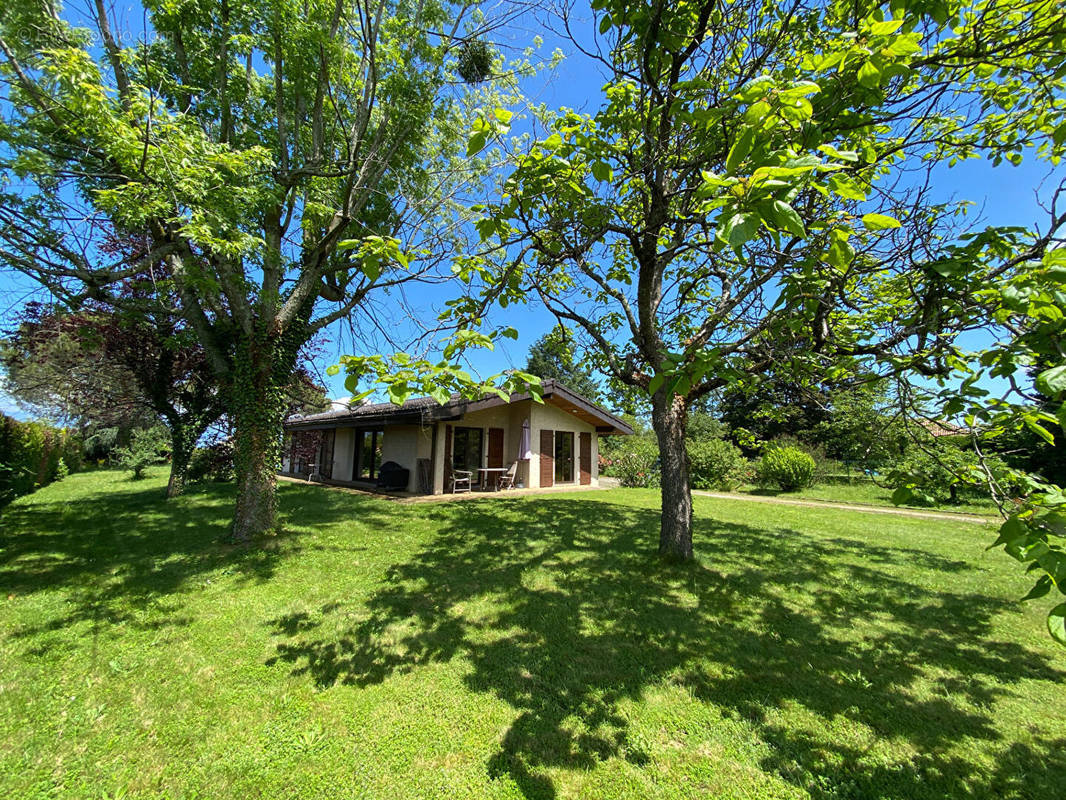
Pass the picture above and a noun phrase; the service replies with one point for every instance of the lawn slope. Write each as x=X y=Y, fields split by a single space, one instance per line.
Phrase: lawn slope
x=512 y=647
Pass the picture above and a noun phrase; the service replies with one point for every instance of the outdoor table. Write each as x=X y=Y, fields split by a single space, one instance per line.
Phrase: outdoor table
x=483 y=476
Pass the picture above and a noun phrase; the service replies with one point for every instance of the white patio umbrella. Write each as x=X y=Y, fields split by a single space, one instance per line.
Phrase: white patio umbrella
x=524 y=451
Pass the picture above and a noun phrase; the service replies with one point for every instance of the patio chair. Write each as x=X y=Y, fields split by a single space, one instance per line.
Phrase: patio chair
x=461 y=480
x=506 y=479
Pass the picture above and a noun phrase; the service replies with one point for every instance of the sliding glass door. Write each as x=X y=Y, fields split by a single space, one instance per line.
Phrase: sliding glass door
x=367 y=455
x=466 y=450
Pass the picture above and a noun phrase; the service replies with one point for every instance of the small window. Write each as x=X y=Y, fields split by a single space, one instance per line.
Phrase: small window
x=564 y=456
x=367 y=455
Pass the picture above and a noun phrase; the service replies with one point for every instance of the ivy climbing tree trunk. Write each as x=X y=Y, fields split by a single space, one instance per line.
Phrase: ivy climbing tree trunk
x=669 y=418
x=183 y=438
x=180 y=453
x=260 y=372
x=256 y=450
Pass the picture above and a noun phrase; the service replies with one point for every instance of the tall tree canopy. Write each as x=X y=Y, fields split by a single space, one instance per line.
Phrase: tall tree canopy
x=552 y=356
x=274 y=155
x=756 y=189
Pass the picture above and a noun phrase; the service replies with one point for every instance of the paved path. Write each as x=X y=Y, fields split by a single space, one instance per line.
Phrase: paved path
x=899 y=512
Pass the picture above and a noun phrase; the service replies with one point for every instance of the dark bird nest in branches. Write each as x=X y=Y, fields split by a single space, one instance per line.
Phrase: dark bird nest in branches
x=475 y=61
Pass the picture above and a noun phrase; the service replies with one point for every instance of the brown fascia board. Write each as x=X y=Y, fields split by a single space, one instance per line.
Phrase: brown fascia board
x=398 y=417
x=552 y=388
x=614 y=425
x=454 y=410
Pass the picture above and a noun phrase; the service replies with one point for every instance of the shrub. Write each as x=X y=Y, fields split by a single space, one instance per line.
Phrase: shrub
x=73 y=451
x=147 y=446
x=636 y=465
x=786 y=467
x=214 y=462
x=716 y=464
x=824 y=466
x=30 y=456
x=946 y=473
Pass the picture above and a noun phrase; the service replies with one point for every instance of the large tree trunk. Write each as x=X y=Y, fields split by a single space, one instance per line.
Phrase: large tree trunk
x=180 y=453
x=257 y=411
x=183 y=439
x=256 y=468
x=668 y=418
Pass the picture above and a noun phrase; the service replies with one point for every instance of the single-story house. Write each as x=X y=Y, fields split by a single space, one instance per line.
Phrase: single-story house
x=551 y=443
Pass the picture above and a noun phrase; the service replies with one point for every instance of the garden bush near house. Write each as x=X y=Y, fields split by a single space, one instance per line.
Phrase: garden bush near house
x=637 y=464
x=718 y=465
x=148 y=446
x=788 y=468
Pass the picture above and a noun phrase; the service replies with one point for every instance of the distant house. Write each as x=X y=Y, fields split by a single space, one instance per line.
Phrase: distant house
x=550 y=444
x=940 y=427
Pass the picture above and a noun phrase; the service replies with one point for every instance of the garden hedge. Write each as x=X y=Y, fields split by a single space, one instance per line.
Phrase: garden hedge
x=31 y=454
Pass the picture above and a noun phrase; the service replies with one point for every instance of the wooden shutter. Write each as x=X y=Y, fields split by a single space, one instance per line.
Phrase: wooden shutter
x=586 y=458
x=547 y=458
x=448 y=459
x=495 y=454
x=325 y=458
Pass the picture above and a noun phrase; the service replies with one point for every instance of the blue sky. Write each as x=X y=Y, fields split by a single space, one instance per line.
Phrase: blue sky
x=1002 y=195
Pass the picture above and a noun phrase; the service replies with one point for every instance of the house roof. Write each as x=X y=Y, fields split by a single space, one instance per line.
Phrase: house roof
x=941 y=427
x=424 y=410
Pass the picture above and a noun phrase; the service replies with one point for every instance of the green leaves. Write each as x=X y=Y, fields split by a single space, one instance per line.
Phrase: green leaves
x=601 y=171
x=1056 y=623
x=879 y=222
x=740 y=149
x=885 y=27
x=1040 y=589
x=374 y=252
x=1052 y=382
x=1031 y=536
x=780 y=215
x=736 y=229
x=476 y=144
x=870 y=75
x=485 y=127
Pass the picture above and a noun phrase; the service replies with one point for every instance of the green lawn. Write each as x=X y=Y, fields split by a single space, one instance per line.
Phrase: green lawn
x=867 y=493
x=521 y=647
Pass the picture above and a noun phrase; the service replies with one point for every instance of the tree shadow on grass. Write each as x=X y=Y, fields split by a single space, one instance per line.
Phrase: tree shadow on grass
x=562 y=610
x=125 y=556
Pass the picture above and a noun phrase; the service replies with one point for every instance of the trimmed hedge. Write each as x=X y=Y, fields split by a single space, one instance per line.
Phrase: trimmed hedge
x=31 y=455
x=787 y=467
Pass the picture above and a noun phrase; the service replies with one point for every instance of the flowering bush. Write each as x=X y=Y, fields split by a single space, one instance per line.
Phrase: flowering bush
x=636 y=464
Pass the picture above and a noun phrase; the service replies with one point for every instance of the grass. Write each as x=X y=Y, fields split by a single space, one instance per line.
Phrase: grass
x=513 y=647
x=868 y=493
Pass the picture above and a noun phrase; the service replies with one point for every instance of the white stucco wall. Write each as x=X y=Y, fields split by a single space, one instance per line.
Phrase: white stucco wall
x=546 y=416
x=406 y=444
x=343 y=453
x=400 y=443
